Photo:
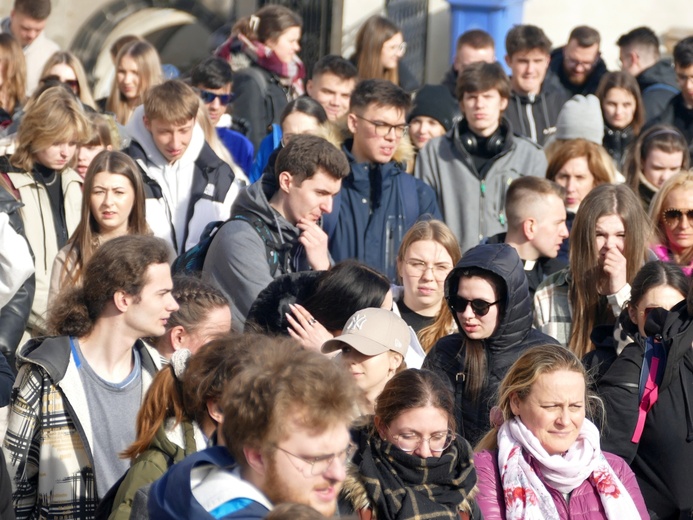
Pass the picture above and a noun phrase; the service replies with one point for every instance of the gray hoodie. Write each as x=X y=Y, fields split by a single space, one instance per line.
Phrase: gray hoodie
x=237 y=256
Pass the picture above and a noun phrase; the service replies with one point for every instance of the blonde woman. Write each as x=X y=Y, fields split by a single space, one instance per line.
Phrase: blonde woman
x=13 y=75
x=53 y=126
x=67 y=68
x=138 y=68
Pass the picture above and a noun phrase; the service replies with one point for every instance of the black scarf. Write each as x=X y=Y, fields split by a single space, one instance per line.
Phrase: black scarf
x=402 y=486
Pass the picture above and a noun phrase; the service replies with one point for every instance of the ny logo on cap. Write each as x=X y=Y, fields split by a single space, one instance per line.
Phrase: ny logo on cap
x=356 y=322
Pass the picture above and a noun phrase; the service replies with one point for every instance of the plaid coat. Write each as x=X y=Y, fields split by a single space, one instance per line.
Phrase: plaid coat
x=49 y=434
x=553 y=314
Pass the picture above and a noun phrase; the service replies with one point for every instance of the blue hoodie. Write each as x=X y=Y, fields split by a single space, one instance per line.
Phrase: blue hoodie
x=206 y=485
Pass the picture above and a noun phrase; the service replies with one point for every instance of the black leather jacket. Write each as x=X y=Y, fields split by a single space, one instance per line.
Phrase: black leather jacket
x=14 y=315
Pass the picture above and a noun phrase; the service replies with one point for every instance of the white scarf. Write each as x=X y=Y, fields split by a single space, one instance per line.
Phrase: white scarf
x=526 y=496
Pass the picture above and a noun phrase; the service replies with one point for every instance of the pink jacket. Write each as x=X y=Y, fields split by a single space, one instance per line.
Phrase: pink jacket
x=584 y=503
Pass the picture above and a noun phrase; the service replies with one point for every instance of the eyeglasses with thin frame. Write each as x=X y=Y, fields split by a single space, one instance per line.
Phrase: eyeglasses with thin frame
x=400 y=50
x=586 y=65
x=320 y=465
x=673 y=216
x=209 y=97
x=410 y=441
x=384 y=129
x=479 y=307
x=419 y=267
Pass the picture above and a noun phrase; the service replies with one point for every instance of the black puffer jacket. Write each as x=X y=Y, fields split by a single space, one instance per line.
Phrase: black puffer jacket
x=15 y=315
x=658 y=85
x=663 y=458
x=511 y=337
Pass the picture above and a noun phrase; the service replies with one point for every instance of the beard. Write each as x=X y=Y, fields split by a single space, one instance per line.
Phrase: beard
x=278 y=489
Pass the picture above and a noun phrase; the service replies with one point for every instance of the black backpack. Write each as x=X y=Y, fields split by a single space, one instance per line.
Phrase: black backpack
x=193 y=259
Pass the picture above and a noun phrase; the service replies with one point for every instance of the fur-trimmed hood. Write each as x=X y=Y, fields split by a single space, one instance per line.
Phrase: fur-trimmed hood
x=338 y=134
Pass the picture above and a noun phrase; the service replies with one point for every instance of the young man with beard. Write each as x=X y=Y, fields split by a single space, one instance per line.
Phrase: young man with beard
x=77 y=394
x=471 y=166
x=280 y=213
x=379 y=201
x=286 y=432
x=578 y=65
x=536 y=227
x=535 y=102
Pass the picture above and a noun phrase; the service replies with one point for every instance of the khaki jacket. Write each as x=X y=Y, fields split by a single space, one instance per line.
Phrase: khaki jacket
x=40 y=229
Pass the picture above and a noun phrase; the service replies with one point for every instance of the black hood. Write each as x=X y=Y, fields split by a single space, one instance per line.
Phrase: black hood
x=660 y=72
x=677 y=336
x=502 y=260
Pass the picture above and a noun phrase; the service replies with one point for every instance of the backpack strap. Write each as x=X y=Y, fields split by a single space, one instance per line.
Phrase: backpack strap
x=660 y=86
x=651 y=374
x=275 y=251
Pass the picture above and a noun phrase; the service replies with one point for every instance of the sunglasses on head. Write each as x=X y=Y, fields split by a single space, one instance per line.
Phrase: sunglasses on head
x=673 y=216
x=209 y=97
x=479 y=307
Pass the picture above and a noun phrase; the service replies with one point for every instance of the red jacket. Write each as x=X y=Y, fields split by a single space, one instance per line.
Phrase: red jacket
x=584 y=503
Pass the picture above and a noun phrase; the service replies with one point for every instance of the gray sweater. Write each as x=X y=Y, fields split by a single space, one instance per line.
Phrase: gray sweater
x=473 y=205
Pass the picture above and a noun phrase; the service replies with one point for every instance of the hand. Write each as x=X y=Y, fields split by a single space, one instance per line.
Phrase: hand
x=314 y=239
x=615 y=269
x=305 y=329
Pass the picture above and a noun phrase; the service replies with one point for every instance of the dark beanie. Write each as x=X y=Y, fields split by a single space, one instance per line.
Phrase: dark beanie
x=436 y=102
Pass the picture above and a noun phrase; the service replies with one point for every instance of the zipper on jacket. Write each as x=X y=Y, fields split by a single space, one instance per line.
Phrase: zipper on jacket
x=482 y=186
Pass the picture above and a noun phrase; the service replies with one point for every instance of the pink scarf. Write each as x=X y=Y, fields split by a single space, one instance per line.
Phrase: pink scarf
x=526 y=496
x=664 y=254
x=290 y=74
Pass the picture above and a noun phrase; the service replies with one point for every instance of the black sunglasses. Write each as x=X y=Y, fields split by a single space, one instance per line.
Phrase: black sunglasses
x=209 y=97
x=479 y=307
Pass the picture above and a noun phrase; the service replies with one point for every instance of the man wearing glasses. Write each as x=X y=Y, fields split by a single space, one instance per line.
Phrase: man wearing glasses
x=286 y=429
x=579 y=66
x=212 y=78
x=378 y=201
x=471 y=166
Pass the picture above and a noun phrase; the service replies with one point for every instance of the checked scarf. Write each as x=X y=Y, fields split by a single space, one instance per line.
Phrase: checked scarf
x=406 y=487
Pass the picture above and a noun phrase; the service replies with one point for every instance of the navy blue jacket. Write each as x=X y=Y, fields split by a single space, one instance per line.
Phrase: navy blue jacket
x=371 y=217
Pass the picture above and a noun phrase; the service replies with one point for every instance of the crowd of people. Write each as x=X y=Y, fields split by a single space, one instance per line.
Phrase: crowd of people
x=244 y=291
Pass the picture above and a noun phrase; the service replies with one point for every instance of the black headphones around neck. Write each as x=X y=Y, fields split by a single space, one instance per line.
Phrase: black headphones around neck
x=470 y=142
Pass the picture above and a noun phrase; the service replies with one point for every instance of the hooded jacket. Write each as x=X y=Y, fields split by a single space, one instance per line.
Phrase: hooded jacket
x=168 y=447
x=473 y=202
x=676 y=114
x=512 y=335
x=237 y=256
x=570 y=89
x=663 y=458
x=199 y=186
x=657 y=86
x=535 y=116
x=206 y=481
x=374 y=212
x=49 y=434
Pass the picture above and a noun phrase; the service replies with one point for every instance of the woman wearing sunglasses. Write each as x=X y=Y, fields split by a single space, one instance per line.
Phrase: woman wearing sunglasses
x=608 y=245
x=66 y=68
x=409 y=463
x=488 y=294
x=671 y=213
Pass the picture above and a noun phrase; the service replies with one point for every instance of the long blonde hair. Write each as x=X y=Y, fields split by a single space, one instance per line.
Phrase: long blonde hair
x=13 y=71
x=436 y=231
x=149 y=71
x=72 y=61
x=55 y=116
x=682 y=180
x=369 y=44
